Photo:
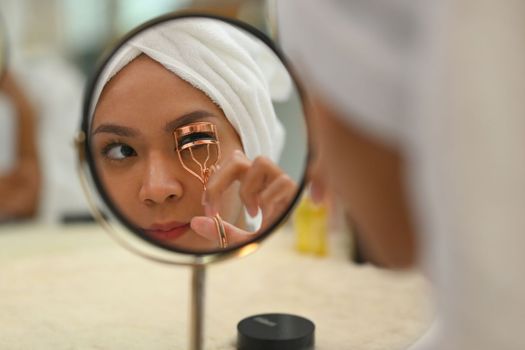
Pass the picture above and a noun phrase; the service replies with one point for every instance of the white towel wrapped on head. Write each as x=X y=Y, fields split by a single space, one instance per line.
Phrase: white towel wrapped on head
x=237 y=72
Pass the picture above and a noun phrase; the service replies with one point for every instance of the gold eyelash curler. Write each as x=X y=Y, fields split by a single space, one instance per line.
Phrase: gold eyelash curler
x=192 y=139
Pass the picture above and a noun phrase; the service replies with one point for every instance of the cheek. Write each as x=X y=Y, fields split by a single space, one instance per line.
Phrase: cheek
x=121 y=186
x=229 y=140
x=227 y=150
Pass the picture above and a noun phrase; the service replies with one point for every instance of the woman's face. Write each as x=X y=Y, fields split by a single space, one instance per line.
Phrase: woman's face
x=136 y=157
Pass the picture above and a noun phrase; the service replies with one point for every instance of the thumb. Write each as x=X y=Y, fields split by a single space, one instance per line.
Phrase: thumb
x=205 y=227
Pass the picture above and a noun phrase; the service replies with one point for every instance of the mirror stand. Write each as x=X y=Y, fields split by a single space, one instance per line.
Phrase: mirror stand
x=150 y=56
x=198 y=275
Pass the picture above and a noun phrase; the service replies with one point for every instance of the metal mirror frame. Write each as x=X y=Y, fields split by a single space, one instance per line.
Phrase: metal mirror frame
x=90 y=180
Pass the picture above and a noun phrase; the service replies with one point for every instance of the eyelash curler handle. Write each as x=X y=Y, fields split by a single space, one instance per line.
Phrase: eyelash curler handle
x=223 y=239
x=181 y=143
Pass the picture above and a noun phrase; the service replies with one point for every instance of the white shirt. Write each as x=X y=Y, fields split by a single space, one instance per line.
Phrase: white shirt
x=443 y=81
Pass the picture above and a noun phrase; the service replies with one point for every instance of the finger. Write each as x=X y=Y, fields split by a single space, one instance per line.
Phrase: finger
x=262 y=172
x=276 y=198
x=230 y=170
x=205 y=227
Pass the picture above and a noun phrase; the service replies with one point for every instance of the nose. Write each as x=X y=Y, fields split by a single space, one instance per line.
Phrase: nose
x=160 y=183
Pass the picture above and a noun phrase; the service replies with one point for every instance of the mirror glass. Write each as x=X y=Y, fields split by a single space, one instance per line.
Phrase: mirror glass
x=196 y=138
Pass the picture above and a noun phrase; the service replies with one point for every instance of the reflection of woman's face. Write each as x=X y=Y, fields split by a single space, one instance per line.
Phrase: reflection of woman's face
x=136 y=157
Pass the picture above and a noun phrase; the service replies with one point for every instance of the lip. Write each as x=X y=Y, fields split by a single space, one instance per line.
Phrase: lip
x=168 y=231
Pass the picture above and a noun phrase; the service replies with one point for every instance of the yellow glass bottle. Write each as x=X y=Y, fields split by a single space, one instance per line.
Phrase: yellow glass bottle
x=310 y=222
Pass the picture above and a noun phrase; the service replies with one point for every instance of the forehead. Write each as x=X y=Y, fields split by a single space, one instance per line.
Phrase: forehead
x=145 y=92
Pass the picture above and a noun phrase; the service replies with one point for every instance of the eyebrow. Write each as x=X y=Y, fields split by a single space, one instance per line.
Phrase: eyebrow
x=119 y=130
x=170 y=126
x=187 y=119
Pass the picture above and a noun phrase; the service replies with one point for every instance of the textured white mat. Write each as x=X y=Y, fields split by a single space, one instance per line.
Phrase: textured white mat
x=74 y=288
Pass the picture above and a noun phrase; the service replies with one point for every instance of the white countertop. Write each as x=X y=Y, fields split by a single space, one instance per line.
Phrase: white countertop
x=73 y=287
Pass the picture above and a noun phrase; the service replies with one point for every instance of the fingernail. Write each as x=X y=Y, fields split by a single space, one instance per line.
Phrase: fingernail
x=252 y=210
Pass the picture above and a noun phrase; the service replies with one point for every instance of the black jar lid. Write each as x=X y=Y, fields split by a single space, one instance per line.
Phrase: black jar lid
x=275 y=332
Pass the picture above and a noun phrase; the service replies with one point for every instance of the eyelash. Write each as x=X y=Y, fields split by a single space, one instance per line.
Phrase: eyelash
x=195 y=137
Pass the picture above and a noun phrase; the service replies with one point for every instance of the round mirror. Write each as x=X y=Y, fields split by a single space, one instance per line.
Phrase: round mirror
x=193 y=137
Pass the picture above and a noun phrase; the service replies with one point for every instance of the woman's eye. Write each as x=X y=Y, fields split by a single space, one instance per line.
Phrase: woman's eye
x=118 y=151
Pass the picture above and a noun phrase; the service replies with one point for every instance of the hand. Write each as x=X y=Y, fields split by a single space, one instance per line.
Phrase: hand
x=263 y=186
